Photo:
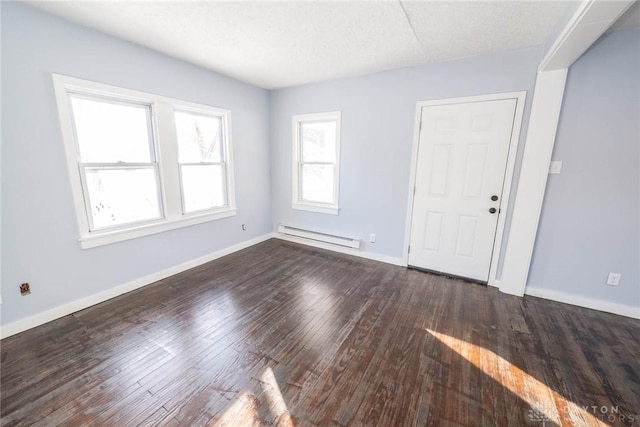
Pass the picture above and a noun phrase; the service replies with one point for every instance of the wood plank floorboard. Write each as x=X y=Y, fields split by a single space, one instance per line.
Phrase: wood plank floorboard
x=287 y=335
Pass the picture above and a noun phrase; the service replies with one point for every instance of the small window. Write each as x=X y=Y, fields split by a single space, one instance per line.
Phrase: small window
x=316 y=139
x=142 y=163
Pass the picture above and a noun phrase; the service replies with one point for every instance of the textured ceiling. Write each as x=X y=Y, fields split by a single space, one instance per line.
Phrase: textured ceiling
x=274 y=44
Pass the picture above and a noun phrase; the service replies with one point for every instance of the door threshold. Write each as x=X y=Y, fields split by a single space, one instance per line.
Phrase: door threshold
x=447 y=275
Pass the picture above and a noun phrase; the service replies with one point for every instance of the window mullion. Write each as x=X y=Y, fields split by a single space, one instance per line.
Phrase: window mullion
x=169 y=169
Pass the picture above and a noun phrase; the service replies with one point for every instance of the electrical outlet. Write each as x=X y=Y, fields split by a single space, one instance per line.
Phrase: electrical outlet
x=613 y=279
x=372 y=238
x=25 y=289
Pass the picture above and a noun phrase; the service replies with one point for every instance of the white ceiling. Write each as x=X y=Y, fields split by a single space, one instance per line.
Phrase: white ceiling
x=275 y=44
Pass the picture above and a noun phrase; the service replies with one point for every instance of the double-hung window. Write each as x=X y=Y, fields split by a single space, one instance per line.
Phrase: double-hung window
x=141 y=163
x=316 y=155
x=117 y=161
x=201 y=157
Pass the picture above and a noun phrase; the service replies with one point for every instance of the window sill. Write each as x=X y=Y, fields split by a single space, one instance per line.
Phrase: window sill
x=318 y=208
x=93 y=240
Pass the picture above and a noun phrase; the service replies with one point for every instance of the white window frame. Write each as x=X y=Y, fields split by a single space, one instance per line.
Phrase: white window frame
x=164 y=153
x=298 y=202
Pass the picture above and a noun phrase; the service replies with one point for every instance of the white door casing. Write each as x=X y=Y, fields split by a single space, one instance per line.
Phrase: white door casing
x=463 y=152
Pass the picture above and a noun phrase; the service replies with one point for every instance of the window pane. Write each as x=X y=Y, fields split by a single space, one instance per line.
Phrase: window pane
x=121 y=196
x=317 y=183
x=202 y=187
x=109 y=133
x=319 y=142
x=199 y=137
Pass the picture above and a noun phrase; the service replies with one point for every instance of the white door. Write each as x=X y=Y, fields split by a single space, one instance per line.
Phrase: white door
x=462 y=158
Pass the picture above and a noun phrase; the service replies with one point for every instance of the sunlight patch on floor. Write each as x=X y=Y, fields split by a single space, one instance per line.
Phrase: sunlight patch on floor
x=251 y=406
x=546 y=404
x=275 y=400
x=243 y=412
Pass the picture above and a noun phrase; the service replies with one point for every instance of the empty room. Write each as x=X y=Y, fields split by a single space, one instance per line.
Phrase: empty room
x=320 y=213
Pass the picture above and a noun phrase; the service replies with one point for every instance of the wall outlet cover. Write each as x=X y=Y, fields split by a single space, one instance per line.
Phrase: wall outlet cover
x=613 y=279
x=555 y=167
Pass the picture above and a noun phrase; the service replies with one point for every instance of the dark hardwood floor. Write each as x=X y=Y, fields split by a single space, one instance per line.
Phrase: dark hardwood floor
x=282 y=334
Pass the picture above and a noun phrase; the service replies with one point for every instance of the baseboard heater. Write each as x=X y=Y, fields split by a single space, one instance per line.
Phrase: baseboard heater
x=320 y=237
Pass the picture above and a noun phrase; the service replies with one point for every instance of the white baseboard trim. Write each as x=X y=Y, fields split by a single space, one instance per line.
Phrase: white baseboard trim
x=343 y=250
x=80 y=304
x=594 y=304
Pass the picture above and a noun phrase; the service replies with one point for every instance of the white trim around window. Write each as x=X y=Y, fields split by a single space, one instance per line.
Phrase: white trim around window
x=317 y=200
x=162 y=158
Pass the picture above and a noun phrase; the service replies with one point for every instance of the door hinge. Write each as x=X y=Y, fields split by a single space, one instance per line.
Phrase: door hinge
x=409 y=249
x=414 y=190
x=420 y=126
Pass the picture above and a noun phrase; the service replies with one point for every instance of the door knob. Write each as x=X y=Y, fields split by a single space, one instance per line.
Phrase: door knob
x=492 y=210
x=494 y=198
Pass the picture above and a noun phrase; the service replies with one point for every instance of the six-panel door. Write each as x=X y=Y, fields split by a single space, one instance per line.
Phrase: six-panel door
x=462 y=157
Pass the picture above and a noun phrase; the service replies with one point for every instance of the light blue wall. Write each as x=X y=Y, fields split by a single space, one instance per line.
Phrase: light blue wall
x=39 y=230
x=590 y=222
x=378 y=120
